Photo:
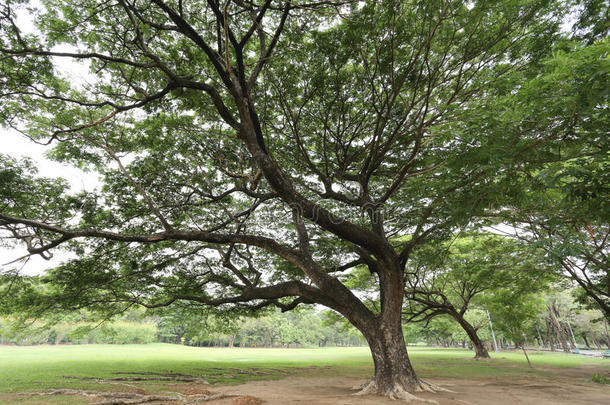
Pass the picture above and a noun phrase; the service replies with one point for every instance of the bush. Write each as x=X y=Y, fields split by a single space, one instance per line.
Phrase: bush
x=601 y=379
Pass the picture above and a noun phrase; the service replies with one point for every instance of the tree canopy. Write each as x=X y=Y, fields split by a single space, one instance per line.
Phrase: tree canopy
x=253 y=152
x=453 y=277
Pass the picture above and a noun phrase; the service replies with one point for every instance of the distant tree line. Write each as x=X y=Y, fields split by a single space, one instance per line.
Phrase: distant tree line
x=555 y=321
x=79 y=332
x=304 y=328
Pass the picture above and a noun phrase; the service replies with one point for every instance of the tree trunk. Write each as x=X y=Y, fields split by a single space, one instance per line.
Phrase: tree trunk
x=559 y=332
x=549 y=335
x=526 y=356
x=480 y=352
x=392 y=365
x=584 y=337
x=540 y=340
x=394 y=375
x=607 y=334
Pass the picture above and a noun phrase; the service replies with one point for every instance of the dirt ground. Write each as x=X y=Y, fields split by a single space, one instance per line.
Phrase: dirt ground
x=336 y=391
x=569 y=386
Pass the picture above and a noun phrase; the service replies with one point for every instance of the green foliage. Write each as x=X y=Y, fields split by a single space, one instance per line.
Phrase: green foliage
x=458 y=276
x=600 y=379
x=278 y=162
x=300 y=328
x=116 y=332
x=328 y=111
x=563 y=206
x=515 y=314
x=593 y=20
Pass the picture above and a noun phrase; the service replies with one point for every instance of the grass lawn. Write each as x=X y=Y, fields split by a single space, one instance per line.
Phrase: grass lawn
x=45 y=367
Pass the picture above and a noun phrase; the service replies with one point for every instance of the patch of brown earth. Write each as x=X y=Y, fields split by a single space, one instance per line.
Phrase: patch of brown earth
x=192 y=389
x=247 y=400
x=560 y=387
x=337 y=391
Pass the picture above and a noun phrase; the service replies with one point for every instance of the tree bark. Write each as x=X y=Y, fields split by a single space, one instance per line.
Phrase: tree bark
x=526 y=356
x=477 y=345
x=392 y=365
x=394 y=375
x=540 y=340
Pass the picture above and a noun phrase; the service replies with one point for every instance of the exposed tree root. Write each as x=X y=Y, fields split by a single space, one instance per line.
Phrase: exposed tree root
x=367 y=387
x=397 y=392
x=429 y=387
x=139 y=400
x=463 y=402
x=137 y=378
x=132 y=398
x=402 y=394
x=168 y=374
x=182 y=399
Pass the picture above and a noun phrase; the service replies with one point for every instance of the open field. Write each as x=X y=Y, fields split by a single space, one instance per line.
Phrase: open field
x=283 y=376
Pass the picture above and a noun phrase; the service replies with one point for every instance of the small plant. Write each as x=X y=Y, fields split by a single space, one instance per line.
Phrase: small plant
x=601 y=379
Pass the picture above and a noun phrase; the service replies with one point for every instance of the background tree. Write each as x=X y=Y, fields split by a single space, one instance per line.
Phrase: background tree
x=250 y=154
x=563 y=206
x=186 y=323
x=515 y=316
x=452 y=282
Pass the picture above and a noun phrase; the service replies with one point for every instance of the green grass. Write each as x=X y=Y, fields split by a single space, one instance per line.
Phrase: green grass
x=43 y=367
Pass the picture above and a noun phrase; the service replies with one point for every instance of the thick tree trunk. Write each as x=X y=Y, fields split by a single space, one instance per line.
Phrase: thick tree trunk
x=392 y=365
x=480 y=352
x=394 y=375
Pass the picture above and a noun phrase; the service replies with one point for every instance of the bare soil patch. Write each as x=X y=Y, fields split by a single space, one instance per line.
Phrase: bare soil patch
x=562 y=387
x=493 y=390
x=247 y=400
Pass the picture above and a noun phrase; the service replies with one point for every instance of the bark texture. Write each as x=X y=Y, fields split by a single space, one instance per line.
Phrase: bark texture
x=394 y=375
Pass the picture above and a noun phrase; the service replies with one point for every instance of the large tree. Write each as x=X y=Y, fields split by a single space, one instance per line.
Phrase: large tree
x=253 y=152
